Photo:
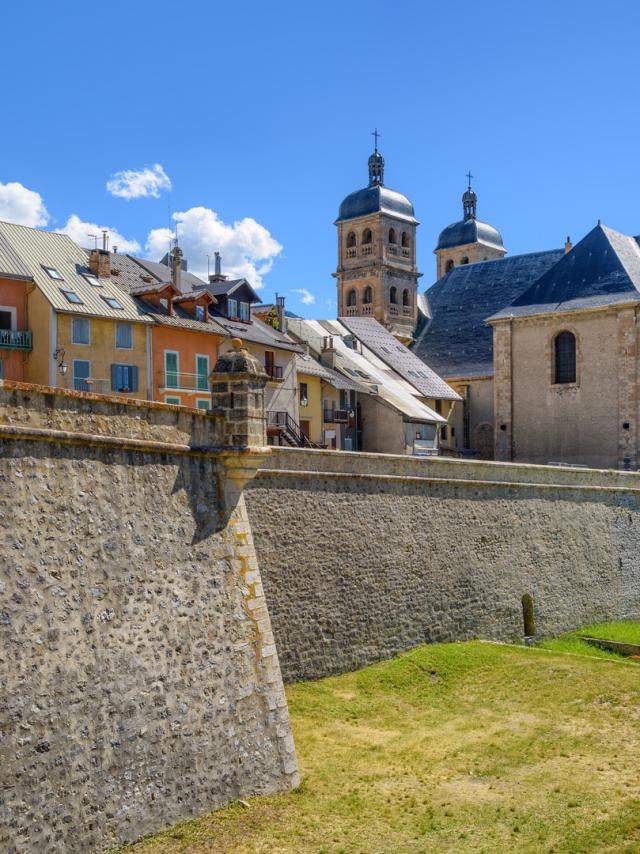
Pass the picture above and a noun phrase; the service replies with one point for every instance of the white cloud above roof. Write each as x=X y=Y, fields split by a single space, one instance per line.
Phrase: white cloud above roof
x=306 y=296
x=80 y=231
x=139 y=184
x=247 y=248
x=21 y=205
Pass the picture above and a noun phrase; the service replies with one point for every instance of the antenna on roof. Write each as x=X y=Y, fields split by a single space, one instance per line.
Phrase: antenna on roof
x=93 y=237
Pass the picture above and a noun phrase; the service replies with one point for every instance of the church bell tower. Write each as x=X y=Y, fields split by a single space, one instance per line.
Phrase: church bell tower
x=377 y=274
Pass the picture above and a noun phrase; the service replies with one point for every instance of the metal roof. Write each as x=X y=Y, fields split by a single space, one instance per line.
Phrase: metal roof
x=370 y=374
x=10 y=262
x=469 y=231
x=456 y=341
x=387 y=347
x=38 y=249
x=308 y=365
x=374 y=199
x=602 y=269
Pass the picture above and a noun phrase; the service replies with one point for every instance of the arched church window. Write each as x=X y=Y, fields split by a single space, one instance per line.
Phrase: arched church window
x=464 y=260
x=565 y=357
x=367 y=236
x=405 y=297
x=368 y=295
x=392 y=235
x=351 y=297
x=404 y=240
x=393 y=294
x=351 y=239
x=449 y=265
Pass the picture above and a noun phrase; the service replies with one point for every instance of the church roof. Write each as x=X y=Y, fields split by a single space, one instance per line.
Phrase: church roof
x=469 y=231
x=602 y=269
x=374 y=199
x=456 y=341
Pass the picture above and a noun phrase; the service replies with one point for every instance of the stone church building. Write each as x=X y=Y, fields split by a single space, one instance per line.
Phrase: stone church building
x=542 y=347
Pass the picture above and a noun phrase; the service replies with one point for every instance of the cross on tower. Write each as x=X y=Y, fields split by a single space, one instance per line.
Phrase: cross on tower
x=469 y=176
x=375 y=134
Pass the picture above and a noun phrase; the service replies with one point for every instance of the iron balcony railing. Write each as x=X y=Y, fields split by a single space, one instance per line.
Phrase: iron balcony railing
x=15 y=339
x=183 y=381
x=335 y=416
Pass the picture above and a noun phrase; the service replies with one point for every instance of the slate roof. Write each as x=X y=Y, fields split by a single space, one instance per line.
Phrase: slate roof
x=38 y=249
x=457 y=342
x=189 y=281
x=229 y=286
x=308 y=365
x=469 y=231
x=602 y=269
x=376 y=198
x=387 y=347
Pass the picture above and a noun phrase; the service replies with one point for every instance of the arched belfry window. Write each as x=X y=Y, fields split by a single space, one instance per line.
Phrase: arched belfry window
x=449 y=265
x=351 y=297
x=565 y=357
x=351 y=239
x=464 y=260
x=368 y=295
x=367 y=236
x=404 y=239
x=405 y=297
x=392 y=235
x=393 y=294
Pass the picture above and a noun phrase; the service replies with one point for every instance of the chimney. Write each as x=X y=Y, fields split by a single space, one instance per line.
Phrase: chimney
x=105 y=239
x=176 y=268
x=100 y=263
x=568 y=246
x=328 y=354
x=217 y=276
x=282 y=317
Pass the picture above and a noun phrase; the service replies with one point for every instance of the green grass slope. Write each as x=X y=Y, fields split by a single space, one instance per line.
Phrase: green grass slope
x=466 y=747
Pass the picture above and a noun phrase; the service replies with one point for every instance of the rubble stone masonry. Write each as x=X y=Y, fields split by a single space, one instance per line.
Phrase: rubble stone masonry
x=139 y=682
x=366 y=555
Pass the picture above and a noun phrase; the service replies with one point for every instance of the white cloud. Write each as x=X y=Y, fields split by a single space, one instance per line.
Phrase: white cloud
x=80 y=231
x=306 y=296
x=132 y=184
x=246 y=247
x=22 y=206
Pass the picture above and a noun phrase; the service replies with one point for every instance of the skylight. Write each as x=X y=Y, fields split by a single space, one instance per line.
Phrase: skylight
x=72 y=296
x=53 y=273
x=112 y=302
x=93 y=280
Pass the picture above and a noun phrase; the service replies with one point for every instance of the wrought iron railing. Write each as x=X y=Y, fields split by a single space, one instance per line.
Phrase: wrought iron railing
x=15 y=339
x=274 y=371
x=183 y=381
x=335 y=416
x=289 y=428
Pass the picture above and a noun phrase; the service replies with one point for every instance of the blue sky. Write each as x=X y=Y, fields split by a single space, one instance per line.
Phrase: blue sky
x=260 y=114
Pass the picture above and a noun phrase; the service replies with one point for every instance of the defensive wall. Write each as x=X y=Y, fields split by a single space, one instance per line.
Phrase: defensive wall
x=365 y=555
x=139 y=682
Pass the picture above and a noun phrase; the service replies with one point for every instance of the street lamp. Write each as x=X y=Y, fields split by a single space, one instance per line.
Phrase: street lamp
x=62 y=365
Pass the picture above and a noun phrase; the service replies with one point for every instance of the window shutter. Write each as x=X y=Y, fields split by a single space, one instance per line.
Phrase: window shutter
x=114 y=378
x=134 y=377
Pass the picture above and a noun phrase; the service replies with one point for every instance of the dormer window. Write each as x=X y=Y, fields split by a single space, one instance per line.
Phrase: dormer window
x=199 y=312
x=244 y=311
x=232 y=307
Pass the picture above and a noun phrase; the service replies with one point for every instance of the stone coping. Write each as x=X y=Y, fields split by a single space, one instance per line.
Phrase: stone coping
x=482 y=472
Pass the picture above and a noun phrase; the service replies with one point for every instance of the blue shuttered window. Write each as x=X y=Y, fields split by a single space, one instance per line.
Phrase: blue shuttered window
x=124 y=378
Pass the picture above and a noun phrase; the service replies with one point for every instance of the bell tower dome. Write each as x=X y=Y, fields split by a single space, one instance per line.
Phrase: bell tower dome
x=377 y=274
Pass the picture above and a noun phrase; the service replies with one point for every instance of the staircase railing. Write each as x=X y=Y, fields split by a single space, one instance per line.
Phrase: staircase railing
x=290 y=428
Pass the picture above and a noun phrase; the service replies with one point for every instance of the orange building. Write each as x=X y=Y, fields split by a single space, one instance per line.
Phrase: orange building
x=15 y=336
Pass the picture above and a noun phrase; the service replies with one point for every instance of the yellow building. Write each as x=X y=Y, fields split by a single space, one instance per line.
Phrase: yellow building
x=88 y=334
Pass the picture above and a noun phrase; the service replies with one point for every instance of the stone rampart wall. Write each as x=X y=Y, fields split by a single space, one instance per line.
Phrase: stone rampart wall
x=365 y=555
x=139 y=682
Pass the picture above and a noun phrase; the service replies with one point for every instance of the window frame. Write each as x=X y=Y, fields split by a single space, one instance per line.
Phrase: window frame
x=50 y=271
x=84 y=379
x=555 y=372
x=67 y=294
x=244 y=307
x=204 y=400
x=13 y=311
x=206 y=376
x=173 y=400
x=303 y=398
x=92 y=280
x=109 y=299
x=166 y=370
x=235 y=312
x=77 y=318
x=393 y=295
x=133 y=373
x=352 y=293
x=119 y=325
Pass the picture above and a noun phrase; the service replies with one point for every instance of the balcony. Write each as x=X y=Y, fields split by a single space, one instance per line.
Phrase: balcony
x=367 y=309
x=15 y=339
x=352 y=252
x=367 y=250
x=407 y=310
x=352 y=311
x=181 y=381
x=393 y=310
x=274 y=372
x=335 y=416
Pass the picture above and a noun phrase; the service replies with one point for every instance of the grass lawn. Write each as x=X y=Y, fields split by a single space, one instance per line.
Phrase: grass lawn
x=627 y=631
x=450 y=748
